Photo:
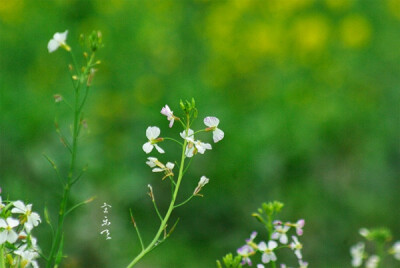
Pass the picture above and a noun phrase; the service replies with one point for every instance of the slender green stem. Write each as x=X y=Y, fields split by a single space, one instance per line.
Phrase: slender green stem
x=270 y=227
x=188 y=165
x=2 y=257
x=180 y=143
x=56 y=247
x=157 y=211
x=137 y=230
x=380 y=247
x=184 y=202
x=164 y=222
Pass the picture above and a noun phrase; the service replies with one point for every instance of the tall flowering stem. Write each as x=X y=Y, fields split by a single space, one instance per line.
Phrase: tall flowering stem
x=190 y=147
x=81 y=80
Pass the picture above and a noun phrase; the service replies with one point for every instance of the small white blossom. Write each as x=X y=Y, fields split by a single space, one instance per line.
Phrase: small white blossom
x=27 y=256
x=268 y=251
x=152 y=134
x=203 y=181
x=246 y=251
x=280 y=233
x=160 y=167
x=194 y=146
x=169 y=114
x=202 y=147
x=357 y=254
x=303 y=264
x=57 y=41
x=30 y=219
x=372 y=262
x=260 y=266
x=364 y=232
x=299 y=227
x=8 y=234
x=212 y=123
x=252 y=237
x=395 y=250
x=296 y=246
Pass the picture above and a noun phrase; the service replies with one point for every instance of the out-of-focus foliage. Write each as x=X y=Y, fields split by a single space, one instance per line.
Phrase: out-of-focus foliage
x=307 y=93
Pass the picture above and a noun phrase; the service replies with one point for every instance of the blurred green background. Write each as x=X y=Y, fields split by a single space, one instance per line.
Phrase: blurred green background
x=307 y=93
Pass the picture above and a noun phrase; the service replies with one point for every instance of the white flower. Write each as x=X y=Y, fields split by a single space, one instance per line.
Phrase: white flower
x=160 y=167
x=303 y=264
x=8 y=234
x=296 y=246
x=169 y=114
x=57 y=41
x=152 y=134
x=395 y=250
x=194 y=146
x=246 y=251
x=299 y=226
x=203 y=181
x=372 y=262
x=212 y=123
x=364 y=232
x=260 y=266
x=202 y=147
x=280 y=233
x=27 y=256
x=252 y=237
x=268 y=251
x=357 y=254
x=31 y=219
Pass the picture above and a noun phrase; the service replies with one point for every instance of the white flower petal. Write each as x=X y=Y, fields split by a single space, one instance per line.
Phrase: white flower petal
x=3 y=223
x=61 y=37
x=272 y=244
x=19 y=207
x=218 y=135
x=12 y=236
x=262 y=246
x=275 y=235
x=52 y=45
x=157 y=170
x=3 y=237
x=211 y=121
x=283 y=239
x=12 y=222
x=273 y=256
x=265 y=258
x=170 y=165
x=152 y=133
x=159 y=149
x=148 y=147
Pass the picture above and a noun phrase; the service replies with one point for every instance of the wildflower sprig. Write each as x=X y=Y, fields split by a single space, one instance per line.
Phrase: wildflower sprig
x=82 y=77
x=18 y=247
x=380 y=239
x=276 y=239
x=190 y=147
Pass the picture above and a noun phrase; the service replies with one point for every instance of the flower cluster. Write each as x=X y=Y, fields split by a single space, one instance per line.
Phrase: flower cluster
x=380 y=237
x=268 y=248
x=16 y=223
x=277 y=239
x=192 y=145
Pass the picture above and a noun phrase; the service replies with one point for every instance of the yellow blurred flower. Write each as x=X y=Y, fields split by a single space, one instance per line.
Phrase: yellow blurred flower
x=393 y=7
x=355 y=31
x=12 y=11
x=339 y=4
x=311 y=33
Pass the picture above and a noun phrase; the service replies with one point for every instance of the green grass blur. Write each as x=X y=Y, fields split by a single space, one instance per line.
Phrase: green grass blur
x=307 y=93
